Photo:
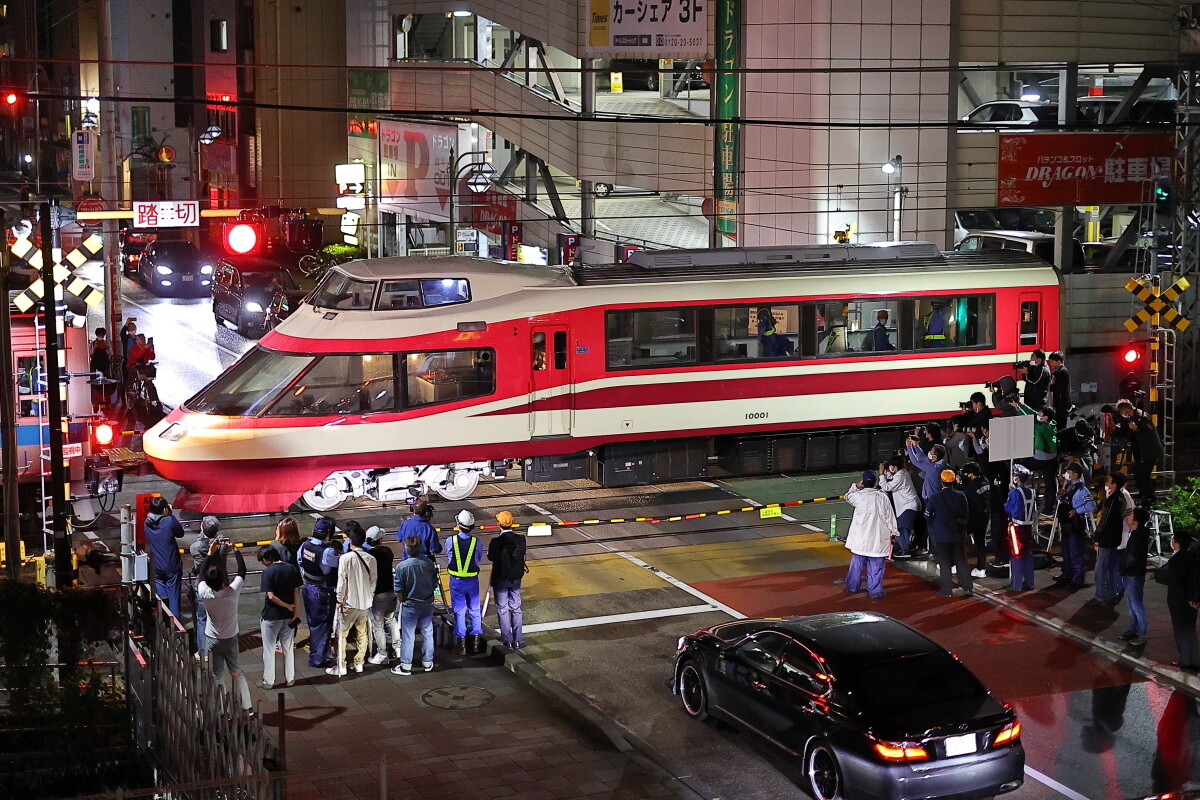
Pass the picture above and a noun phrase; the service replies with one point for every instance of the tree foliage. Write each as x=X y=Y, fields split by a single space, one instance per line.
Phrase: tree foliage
x=1184 y=504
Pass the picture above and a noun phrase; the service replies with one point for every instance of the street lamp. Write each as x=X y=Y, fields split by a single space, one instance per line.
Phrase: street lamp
x=454 y=172
x=210 y=135
x=895 y=166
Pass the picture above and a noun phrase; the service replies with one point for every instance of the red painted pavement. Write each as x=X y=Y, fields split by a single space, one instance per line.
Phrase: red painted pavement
x=1014 y=658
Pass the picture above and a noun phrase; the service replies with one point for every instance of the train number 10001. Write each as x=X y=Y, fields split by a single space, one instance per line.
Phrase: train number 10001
x=757 y=415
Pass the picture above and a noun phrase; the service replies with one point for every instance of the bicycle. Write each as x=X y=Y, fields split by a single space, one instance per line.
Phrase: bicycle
x=142 y=404
x=315 y=264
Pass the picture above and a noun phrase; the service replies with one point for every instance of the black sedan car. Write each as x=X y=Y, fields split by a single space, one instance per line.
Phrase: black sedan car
x=872 y=708
x=253 y=294
x=175 y=267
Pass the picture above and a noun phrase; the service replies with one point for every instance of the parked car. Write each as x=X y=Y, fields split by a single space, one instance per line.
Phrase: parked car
x=966 y=221
x=253 y=294
x=1013 y=113
x=871 y=707
x=1146 y=112
x=175 y=267
x=1040 y=244
x=1135 y=258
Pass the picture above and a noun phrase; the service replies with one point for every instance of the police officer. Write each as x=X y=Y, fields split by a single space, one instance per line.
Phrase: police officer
x=1022 y=512
x=318 y=568
x=1075 y=508
x=462 y=562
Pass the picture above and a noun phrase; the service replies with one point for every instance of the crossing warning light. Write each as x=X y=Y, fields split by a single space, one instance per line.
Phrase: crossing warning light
x=1132 y=354
x=104 y=433
x=243 y=237
x=11 y=98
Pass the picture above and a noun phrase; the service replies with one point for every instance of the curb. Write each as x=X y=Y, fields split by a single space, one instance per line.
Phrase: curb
x=595 y=722
x=1113 y=651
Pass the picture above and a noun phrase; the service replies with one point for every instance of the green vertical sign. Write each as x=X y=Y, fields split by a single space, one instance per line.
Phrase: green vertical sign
x=140 y=125
x=726 y=151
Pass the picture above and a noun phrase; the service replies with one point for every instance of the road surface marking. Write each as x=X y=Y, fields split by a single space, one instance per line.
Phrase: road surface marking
x=613 y=618
x=1065 y=791
x=810 y=527
x=150 y=312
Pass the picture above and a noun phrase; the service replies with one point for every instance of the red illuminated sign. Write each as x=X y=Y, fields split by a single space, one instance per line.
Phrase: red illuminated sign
x=1063 y=169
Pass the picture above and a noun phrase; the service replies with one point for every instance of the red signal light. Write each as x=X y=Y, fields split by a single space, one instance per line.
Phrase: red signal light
x=103 y=433
x=10 y=98
x=1131 y=355
x=242 y=237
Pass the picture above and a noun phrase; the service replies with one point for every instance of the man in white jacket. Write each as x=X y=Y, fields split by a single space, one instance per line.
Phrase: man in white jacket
x=870 y=536
x=357 y=573
x=895 y=480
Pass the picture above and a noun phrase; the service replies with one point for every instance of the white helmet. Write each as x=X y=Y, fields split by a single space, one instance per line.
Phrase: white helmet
x=465 y=519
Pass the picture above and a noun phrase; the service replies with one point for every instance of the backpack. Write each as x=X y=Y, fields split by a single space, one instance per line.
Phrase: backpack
x=512 y=563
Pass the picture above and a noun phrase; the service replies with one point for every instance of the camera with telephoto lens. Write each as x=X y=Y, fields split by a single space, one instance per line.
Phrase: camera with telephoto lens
x=1004 y=390
x=964 y=405
x=1021 y=366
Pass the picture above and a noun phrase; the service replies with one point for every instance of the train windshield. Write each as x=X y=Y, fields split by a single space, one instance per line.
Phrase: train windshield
x=250 y=385
x=340 y=292
x=423 y=293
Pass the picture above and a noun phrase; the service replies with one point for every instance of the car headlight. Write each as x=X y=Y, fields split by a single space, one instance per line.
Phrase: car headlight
x=254 y=307
x=174 y=432
x=206 y=269
x=163 y=270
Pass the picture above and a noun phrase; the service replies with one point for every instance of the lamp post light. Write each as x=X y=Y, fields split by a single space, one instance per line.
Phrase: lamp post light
x=895 y=166
x=210 y=135
x=454 y=171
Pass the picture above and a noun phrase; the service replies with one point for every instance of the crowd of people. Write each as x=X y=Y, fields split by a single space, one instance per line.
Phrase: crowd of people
x=945 y=499
x=361 y=601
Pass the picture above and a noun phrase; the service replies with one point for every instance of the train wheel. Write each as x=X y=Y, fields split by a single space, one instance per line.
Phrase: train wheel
x=460 y=484
x=326 y=495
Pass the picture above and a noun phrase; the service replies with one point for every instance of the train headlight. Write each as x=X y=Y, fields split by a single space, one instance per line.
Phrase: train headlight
x=163 y=270
x=174 y=432
x=206 y=269
x=254 y=308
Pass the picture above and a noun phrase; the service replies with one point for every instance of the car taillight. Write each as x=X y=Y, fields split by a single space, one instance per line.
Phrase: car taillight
x=900 y=751
x=1009 y=733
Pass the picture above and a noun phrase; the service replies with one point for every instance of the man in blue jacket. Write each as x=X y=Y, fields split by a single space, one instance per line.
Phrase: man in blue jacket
x=418 y=525
x=1021 y=506
x=931 y=467
x=947 y=513
x=162 y=534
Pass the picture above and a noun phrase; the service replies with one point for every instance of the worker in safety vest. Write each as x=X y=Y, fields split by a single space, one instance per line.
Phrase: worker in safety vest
x=938 y=323
x=462 y=557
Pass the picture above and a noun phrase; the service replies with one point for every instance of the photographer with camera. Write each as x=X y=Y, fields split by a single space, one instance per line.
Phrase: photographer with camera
x=895 y=480
x=162 y=533
x=1060 y=388
x=1147 y=447
x=220 y=596
x=1037 y=378
x=978 y=492
x=957 y=444
x=930 y=465
x=1045 y=456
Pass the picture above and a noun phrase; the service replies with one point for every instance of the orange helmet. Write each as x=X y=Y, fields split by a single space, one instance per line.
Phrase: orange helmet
x=505 y=518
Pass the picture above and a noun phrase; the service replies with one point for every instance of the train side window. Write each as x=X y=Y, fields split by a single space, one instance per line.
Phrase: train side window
x=444 y=375
x=444 y=291
x=775 y=329
x=1029 y=323
x=560 y=349
x=644 y=338
x=339 y=291
x=732 y=335
x=539 y=351
x=353 y=384
x=954 y=322
x=871 y=326
x=395 y=295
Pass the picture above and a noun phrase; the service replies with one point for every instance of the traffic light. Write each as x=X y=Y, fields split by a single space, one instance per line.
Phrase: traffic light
x=11 y=99
x=1164 y=200
x=104 y=433
x=1132 y=355
x=244 y=237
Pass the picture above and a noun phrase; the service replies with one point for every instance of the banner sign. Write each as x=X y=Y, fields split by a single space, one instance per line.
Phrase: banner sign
x=512 y=240
x=568 y=247
x=83 y=156
x=648 y=28
x=414 y=163
x=487 y=210
x=166 y=214
x=1068 y=169
x=727 y=150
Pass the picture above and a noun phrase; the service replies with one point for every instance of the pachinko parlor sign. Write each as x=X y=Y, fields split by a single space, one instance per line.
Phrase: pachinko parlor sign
x=1064 y=169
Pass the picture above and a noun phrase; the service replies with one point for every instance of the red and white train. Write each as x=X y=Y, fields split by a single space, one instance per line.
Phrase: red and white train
x=406 y=375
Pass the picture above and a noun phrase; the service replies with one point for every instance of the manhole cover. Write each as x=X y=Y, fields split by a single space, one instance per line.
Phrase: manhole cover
x=458 y=698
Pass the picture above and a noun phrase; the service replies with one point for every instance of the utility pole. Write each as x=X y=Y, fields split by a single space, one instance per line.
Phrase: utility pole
x=52 y=321
x=110 y=184
x=8 y=428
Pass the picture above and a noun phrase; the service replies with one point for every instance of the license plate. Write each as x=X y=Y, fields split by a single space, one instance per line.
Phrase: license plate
x=189 y=277
x=960 y=745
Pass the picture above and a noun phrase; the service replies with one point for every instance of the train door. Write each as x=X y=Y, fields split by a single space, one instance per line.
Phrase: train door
x=1030 y=326
x=550 y=411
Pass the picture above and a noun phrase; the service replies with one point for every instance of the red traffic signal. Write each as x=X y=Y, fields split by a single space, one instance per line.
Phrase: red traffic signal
x=11 y=98
x=104 y=433
x=241 y=238
x=1133 y=355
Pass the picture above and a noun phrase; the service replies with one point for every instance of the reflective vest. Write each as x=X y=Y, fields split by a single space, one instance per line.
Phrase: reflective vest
x=1028 y=506
x=310 y=557
x=460 y=567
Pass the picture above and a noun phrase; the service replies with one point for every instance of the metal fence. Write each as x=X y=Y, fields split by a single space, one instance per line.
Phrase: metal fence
x=191 y=724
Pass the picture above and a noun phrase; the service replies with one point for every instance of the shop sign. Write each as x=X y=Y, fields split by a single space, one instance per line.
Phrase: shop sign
x=727 y=150
x=648 y=28
x=83 y=156
x=487 y=210
x=1068 y=169
x=512 y=240
x=367 y=89
x=414 y=162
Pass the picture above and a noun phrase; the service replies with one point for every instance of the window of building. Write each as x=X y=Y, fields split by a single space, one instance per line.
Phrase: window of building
x=444 y=375
x=218 y=35
x=651 y=337
x=350 y=384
